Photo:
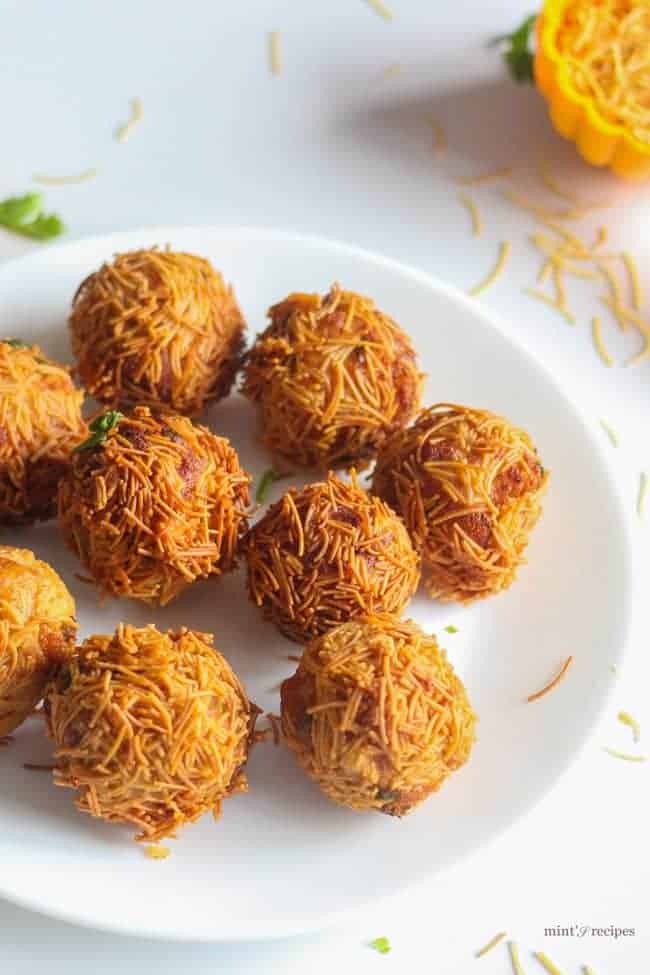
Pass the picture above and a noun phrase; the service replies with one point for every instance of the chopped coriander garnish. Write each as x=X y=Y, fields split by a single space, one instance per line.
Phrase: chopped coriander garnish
x=517 y=54
x=16 y=343
x=451 y=628
x=24 y=215
x=99 y=430
x=382 y=945
x=268 y=478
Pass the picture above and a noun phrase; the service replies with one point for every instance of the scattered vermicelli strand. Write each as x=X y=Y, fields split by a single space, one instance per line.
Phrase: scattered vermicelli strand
x=552 y=683
x=275 y=52
x=492 y=943
x=635 y=282
x=552 y=302
x=473 y=210
x=496 y=272
x=381 y=8
x=643 y=490
x=124 y=131
x=597 y=333
x=84 y=177
x=491 y=176
x=611 y=433
x=546 y=962
x=514 y=958
x=625 y=718
x=625 y=756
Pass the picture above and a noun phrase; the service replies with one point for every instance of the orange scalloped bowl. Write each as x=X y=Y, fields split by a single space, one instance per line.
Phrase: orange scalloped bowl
x=576 y=116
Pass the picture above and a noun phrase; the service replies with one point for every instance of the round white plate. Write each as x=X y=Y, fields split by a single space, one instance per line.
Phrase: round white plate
x=283 y=859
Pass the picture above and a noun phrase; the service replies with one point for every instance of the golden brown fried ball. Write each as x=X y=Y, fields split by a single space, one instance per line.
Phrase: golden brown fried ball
x=151 y=728
x=40 y=422
x=159 y=328
x=326 y=554
x=468 y=486
x=376 y=715
x=157 y=503
x=37 y=631
x=333 y=377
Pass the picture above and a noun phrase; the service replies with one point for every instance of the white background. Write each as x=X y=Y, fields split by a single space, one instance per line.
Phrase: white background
x=332 y=147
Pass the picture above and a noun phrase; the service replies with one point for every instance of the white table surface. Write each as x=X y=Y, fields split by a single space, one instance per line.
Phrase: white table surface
x=333 y=148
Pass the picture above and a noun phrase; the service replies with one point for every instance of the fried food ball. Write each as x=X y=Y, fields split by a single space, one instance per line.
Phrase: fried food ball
x=326 y=554
x=158 y=328
x=37 y=631
x=153 y=503
x=40 y=422
x=150 y=728
x=333 y=377
x=376 y=715
x=468 y=486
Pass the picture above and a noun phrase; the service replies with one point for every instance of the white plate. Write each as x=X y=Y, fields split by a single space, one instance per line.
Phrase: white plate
x=283 y=859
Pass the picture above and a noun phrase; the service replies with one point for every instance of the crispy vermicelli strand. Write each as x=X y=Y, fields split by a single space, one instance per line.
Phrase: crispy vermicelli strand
x=124 y=131
x=546 y=962
x=635 y=282
x=468 y=485
x=625 y=756
x=597 y=333
x=381 y=8
x=155 y=852
x=643 y=490
x=160 y=502
x=552 y=683
x=376 y=715
x=553 y=302
x=326 y=554
x=611 y=433
x=157 y=327
x=490 y=176
x=632 y=724
x=151 y=729
x=40 y=422
x=84 y=177
x=275 y=52
x=473 y=210
x=492 y=943
x=332 y=377
x=514 y=958
x=496 y=272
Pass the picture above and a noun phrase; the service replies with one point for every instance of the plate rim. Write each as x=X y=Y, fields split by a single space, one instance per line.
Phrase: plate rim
x=271 y=930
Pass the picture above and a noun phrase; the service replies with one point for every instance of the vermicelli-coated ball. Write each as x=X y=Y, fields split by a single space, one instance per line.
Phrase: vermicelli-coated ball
x=326 y=554
x=152 y=503
x=376 y=715
x=157 y=327
x=40 y=423
x=333 y=377
x=37 y=631
x=468 y=485
x=150 y=728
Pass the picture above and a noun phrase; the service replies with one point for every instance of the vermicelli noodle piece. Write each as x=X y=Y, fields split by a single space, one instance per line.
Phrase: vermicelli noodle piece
x=158 y=503
x=37 y=631
x=150 y=728
x=326 y=554
x=376 y=715
x=157 y=327
x=468 y=485
x=40 y=422
x=332 y=376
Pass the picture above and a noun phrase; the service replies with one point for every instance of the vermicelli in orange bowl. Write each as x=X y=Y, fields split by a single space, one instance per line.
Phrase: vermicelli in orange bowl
x=332 y=377
x=326 y=554
x=468 y=485
x=157 y=327
x=150 y=728
x=153 y=504
x=40 y=423
x=591 y=65
x=37 y=632
x=376 y=715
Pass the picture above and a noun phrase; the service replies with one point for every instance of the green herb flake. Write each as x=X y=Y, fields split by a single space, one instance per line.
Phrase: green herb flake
x=99 y=430
x=451 y=628
x=382 y=945
x=16 y=343
x=269 y=477
x=518 y=55
x=24 y=215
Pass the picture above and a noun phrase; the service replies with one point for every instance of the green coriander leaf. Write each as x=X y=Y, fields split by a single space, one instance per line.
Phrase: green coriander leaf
x=16 y=343
x=23 y=215
x=99 y=430
x=268 y=478
x=382 y=945
x=451 y=628
x=518 y=54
